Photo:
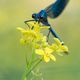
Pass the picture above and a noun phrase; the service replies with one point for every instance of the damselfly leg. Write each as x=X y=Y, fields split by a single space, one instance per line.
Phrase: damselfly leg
x=26 y=22
x=48 y=35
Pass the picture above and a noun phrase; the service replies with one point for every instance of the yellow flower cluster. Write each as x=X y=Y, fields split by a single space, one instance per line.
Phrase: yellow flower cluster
x=32 y=35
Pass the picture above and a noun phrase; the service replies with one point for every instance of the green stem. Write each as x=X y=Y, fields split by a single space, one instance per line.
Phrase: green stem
x=33 y=67
x=32 y=58
x=35 y=60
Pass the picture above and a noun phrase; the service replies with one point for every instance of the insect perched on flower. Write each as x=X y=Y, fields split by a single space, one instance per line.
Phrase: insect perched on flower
x=33 y=32
x=52 y=11
x=33 y=38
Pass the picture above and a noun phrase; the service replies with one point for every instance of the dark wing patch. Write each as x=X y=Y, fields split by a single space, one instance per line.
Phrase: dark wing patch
x=55 y=9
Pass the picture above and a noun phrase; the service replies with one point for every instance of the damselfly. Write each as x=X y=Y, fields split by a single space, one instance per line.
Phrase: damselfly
x=52 y=11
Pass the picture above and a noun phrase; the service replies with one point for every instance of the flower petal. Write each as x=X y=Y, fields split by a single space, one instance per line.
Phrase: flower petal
x=46 y=58
x=39 y=51
x=54 y=47
x=57 y=41
x=65 y=48
x=52 y=57
x=48 y=50
x=21 y=29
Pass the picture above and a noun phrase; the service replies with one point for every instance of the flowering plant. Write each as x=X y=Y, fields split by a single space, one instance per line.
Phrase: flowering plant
x=32 y=36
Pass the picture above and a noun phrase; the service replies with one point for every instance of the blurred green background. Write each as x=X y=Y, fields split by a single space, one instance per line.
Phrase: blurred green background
x=12 y=54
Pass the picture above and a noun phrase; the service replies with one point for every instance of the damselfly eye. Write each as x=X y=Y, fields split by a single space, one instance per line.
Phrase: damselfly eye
x=33 y=15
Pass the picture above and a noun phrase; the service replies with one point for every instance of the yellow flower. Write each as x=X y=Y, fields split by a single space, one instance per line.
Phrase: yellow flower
x=44 y=42
x=34 y=25
x=57 y=41
x=21 y=29
x=59 y=47
x=33 y=36
x=46 y=54
x=54 y=47
x=30 y=35
x=65 y=49
x=37 y=26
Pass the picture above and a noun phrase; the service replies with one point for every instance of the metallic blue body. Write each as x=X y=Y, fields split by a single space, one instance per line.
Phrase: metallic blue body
x=55 y=34
x=52 y=11
x=43 y=13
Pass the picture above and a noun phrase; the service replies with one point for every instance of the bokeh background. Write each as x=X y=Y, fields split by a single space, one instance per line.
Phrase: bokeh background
x=13 y=13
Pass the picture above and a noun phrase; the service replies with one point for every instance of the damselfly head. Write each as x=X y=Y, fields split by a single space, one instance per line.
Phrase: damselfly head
x=34 y=15
x=41 y=16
